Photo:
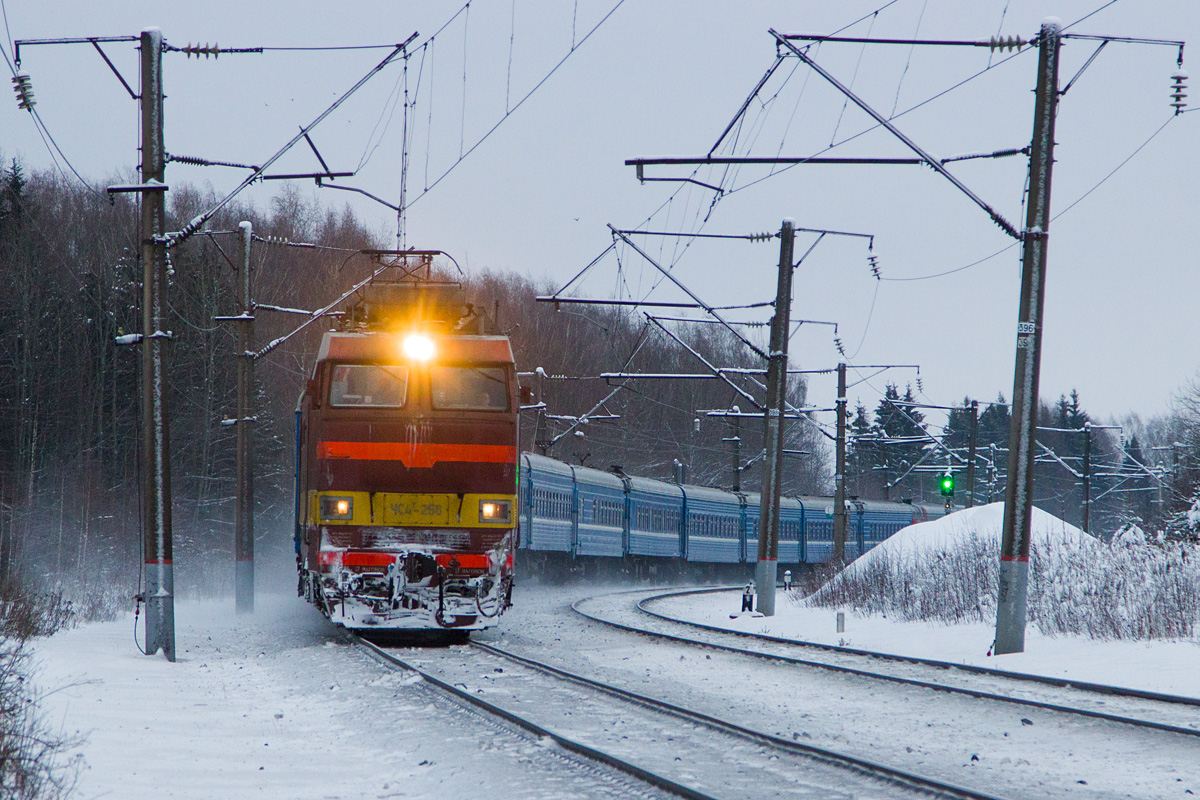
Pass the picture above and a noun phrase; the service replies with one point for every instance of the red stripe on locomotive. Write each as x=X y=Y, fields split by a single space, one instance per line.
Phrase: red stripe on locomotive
x=417 y=454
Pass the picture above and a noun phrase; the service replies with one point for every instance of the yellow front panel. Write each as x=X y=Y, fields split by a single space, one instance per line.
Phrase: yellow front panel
x=437 y=510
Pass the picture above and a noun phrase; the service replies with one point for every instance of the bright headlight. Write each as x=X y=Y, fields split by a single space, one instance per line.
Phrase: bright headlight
x=337 y=507
x=495 y=511
x=418 y=347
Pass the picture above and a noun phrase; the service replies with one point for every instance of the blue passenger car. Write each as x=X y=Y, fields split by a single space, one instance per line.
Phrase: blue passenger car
x=879 y=520
x=548 y=494
x=582 y=512
x=791 y=530
x=655 y=518
x=712 y=525
x=600 y=513
x=818 y=529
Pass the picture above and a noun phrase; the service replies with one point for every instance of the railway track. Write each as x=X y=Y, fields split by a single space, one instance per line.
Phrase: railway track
x=673 y=749
x=1149 y=710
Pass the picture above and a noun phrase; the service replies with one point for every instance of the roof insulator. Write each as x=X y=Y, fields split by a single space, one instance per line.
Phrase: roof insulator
x=24 y=92
x=1178 y=91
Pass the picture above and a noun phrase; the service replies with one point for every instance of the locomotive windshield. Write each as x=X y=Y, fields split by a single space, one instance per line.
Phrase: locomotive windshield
x=368 y=385
x=469 y=388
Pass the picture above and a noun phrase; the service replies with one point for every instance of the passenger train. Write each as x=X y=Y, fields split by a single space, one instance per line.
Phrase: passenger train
x=412 y=498
x=582 y=514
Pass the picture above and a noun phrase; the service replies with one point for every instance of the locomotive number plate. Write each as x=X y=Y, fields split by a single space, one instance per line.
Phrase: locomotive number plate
x=417 y=509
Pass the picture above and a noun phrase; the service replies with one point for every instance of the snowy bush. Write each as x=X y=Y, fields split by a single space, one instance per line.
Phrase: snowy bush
x=1131 y=589
x=33 y=762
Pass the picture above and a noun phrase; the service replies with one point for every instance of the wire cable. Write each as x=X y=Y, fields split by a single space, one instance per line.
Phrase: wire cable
x=875 y=127
x=1127 y=159
x=518 y=104
x=1089 y=15
x=7 y=32
x=1000 y=27
x=47 y=138
x=328 y=47
x=911 y=49
x=1072 y=205
x=857 y=64
x=462 y=116
x=867 y=327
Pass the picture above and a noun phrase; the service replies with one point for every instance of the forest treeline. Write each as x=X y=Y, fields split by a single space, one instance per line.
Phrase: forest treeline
x=69 y=399
x=1142 y=473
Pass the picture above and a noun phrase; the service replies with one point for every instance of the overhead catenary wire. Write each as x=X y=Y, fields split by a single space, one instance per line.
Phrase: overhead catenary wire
x=487 y=134
x=193 y=226
x=854 y=77
x=1069 y=206
x=47 y=138
x=870 y=128
x=908 y=60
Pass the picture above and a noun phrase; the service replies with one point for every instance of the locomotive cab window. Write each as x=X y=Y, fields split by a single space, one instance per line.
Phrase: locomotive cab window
x=369 y=385
x=469 y=388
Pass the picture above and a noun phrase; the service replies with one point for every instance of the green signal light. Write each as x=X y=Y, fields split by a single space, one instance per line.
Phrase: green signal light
x=948 y=485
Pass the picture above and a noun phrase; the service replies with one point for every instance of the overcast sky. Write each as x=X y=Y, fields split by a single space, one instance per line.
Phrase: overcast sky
x=664 y=78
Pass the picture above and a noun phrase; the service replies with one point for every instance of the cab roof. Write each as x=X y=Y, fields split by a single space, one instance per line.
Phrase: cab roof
x=386 y=348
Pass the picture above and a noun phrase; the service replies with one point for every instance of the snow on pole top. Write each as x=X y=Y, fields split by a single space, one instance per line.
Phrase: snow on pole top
x=789 y=221
x=1053 y=22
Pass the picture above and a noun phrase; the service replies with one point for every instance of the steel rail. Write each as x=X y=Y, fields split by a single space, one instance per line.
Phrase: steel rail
x=869 y=769
x=940 y=687
x=1061 y=683
x=657 y=781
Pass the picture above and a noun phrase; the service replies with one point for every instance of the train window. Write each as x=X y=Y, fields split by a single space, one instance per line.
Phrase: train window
x=469 y=388
x=368 y=385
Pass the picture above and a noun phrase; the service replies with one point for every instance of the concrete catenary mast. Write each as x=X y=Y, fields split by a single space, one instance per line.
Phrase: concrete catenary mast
x=1018 y=494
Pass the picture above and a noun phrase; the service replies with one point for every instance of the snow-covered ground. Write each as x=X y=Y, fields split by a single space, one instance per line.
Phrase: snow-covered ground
x=278 y=705
x=1169 y=667
x=1159 y=665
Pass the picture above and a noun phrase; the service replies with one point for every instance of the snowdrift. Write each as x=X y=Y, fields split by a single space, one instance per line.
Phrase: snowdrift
x=947 y=570
x=982 y=525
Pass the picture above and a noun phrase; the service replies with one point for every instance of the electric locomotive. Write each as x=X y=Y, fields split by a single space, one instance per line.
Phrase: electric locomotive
x=406 y=486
